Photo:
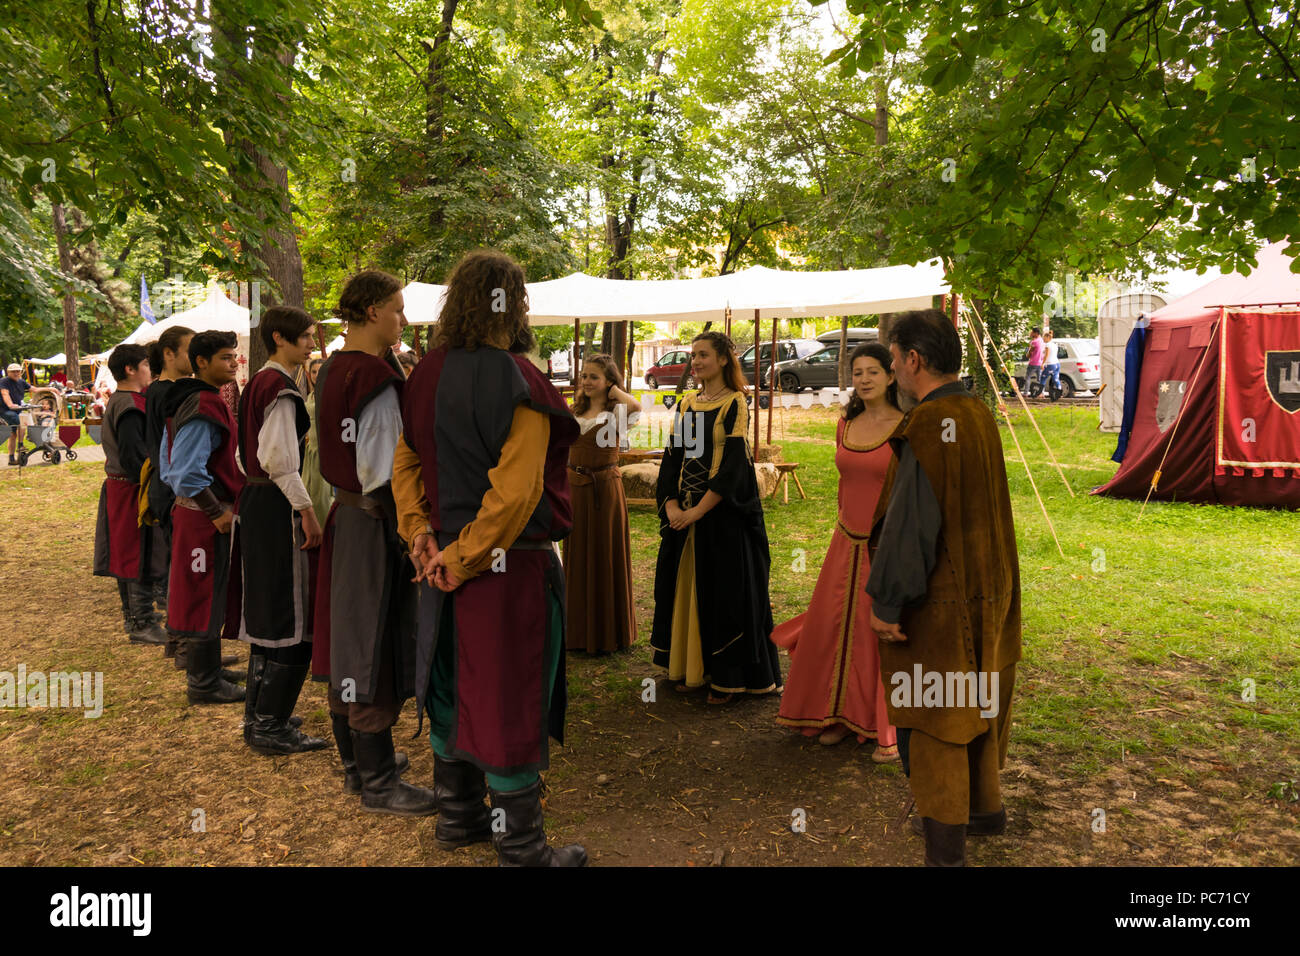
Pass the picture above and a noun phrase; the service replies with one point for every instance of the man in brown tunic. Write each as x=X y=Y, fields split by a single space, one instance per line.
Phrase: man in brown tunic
x=945 y=589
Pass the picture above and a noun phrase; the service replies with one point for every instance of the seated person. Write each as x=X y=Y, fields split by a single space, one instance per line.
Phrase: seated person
x=59 y=380
x=47 y=414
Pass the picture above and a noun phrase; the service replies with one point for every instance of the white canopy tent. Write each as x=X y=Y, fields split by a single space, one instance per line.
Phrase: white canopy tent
x=216 y=313
x=775 y=293
x=768 y=293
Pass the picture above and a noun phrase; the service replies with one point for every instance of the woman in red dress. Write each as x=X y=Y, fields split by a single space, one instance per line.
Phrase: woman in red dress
x=834 y=687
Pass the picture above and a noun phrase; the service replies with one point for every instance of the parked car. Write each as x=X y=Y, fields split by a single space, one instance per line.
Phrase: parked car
x=1080 y=367
x=818 y=370
x=668 y=369
x=786 y=349
x=856 y=337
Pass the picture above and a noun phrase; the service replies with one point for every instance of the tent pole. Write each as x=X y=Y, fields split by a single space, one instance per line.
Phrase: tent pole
x=758 y=341
x=771 y=382
x=577 y=351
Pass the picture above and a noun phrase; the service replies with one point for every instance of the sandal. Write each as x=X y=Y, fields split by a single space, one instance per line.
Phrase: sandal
x=885 y=754
x=716 y=701
x=833 y=735
x=683 y=688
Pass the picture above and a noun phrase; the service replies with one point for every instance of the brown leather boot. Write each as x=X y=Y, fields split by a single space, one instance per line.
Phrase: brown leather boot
x=945 y=843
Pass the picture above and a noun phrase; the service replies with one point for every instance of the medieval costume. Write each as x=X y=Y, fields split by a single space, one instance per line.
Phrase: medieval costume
x=158 y=544
x=322 y=496
x=197 y=460
x=834 y=661
x=273 y=612
x=598 y=554
x=364 y=641
x=713 y=617
x=117 y=528
x=482 y=466
x=945 y=569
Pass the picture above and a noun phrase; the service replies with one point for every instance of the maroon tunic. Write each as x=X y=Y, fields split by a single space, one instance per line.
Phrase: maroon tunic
x=457 y=413
x=196 y=600
x=118 y=527
x=267 y=536
x=347 y=383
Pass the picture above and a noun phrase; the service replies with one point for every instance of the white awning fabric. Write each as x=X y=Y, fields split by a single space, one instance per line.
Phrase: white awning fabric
x=216 y=313
x=776 y=293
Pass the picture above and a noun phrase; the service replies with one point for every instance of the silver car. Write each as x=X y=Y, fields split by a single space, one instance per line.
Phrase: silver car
x=1080 y=367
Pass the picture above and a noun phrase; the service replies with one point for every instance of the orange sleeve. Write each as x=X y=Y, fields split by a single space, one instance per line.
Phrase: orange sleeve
x=408 y=493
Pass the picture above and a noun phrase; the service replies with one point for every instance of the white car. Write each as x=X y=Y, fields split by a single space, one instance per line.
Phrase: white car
x=1080 y=367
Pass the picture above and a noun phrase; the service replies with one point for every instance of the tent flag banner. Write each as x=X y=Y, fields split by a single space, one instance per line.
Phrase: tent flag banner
x=1259 y=393
x=146 y=310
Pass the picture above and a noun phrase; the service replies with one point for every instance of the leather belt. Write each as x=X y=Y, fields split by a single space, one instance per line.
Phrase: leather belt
x=366 y=503
x=591 y=472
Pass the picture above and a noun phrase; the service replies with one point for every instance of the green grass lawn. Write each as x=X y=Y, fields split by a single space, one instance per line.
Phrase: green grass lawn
x=1141 y=639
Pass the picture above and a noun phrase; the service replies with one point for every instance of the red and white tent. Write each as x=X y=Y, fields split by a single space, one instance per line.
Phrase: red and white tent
x=1216 y=414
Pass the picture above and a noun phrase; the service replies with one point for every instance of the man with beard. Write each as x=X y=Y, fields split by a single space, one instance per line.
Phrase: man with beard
x=945 y=589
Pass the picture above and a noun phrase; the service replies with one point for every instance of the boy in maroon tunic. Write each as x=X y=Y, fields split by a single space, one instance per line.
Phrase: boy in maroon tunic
x=197 y=460
x=365 y=605
x=117 y=530
x=274 y=540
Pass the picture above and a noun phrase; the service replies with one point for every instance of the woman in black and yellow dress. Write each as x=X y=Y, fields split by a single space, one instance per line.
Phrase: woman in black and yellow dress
x=713 y=617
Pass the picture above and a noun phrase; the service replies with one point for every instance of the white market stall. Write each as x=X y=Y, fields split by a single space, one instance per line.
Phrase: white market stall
x=769 y=293
x=215 y=313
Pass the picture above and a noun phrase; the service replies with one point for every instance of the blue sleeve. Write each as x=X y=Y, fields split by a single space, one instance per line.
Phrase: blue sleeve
x=185 y=468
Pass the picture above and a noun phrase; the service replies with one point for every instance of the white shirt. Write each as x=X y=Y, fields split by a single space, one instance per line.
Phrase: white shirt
x=378 y=431
x=608 y=418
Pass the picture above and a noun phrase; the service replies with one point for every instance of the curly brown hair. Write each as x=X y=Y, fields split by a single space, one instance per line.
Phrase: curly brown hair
x=366 y=288
x=486 y=303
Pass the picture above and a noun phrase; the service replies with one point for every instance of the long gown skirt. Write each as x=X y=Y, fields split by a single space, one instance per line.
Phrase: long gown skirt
x=834 y=655
x=598 y=566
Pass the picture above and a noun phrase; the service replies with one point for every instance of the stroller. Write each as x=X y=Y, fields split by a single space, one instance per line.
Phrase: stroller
x=42 y=429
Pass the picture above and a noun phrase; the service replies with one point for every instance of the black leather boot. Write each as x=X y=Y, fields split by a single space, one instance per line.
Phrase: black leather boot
x=171 y=647
x=463 y=817
x=382 y=789
x=980 y=824
x=271 y=733
x=524 y=841
x=256 y=667
x=945 y=843
x=203 y=674
x=143 y=628
x=179 y=662
x=343 y=739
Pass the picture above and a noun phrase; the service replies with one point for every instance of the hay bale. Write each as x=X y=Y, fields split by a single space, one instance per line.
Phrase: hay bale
x=768 y=453
x=640 y=480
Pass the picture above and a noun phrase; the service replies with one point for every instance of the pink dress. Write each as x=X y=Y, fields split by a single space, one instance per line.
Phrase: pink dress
x=834 y=658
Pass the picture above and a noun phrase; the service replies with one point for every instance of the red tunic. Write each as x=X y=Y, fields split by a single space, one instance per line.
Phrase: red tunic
x=457 y=412
x=120 y=515
x=196 y=600
x=347 y=383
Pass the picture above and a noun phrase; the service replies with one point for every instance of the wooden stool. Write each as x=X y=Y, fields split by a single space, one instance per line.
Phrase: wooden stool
x=786 y=471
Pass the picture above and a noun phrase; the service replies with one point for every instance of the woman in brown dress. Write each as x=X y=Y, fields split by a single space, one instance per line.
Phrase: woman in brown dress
x=597 y=555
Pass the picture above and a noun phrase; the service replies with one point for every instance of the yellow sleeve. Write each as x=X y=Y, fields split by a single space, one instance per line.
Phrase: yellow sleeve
x=408 y=493
x=516 y=482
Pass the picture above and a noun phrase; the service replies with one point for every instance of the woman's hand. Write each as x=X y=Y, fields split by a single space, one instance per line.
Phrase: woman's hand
x=684 y=519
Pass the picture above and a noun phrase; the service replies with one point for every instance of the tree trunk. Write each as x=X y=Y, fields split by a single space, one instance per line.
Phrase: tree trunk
x=70 y=344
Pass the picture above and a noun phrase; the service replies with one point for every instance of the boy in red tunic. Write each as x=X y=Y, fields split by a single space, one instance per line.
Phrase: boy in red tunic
x=117 y=530
x=197 y=460
x=365 y=605
x=274 y=540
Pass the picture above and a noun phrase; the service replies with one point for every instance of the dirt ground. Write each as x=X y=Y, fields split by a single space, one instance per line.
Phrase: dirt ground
x=664 y=783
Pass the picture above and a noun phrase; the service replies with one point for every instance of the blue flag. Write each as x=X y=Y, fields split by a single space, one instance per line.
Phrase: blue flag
x=146 y=310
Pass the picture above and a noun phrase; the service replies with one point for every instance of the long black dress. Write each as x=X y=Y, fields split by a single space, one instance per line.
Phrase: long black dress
x=713 y=617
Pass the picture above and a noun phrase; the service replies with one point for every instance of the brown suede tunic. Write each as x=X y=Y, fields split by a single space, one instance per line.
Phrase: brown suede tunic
x=967 y=617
